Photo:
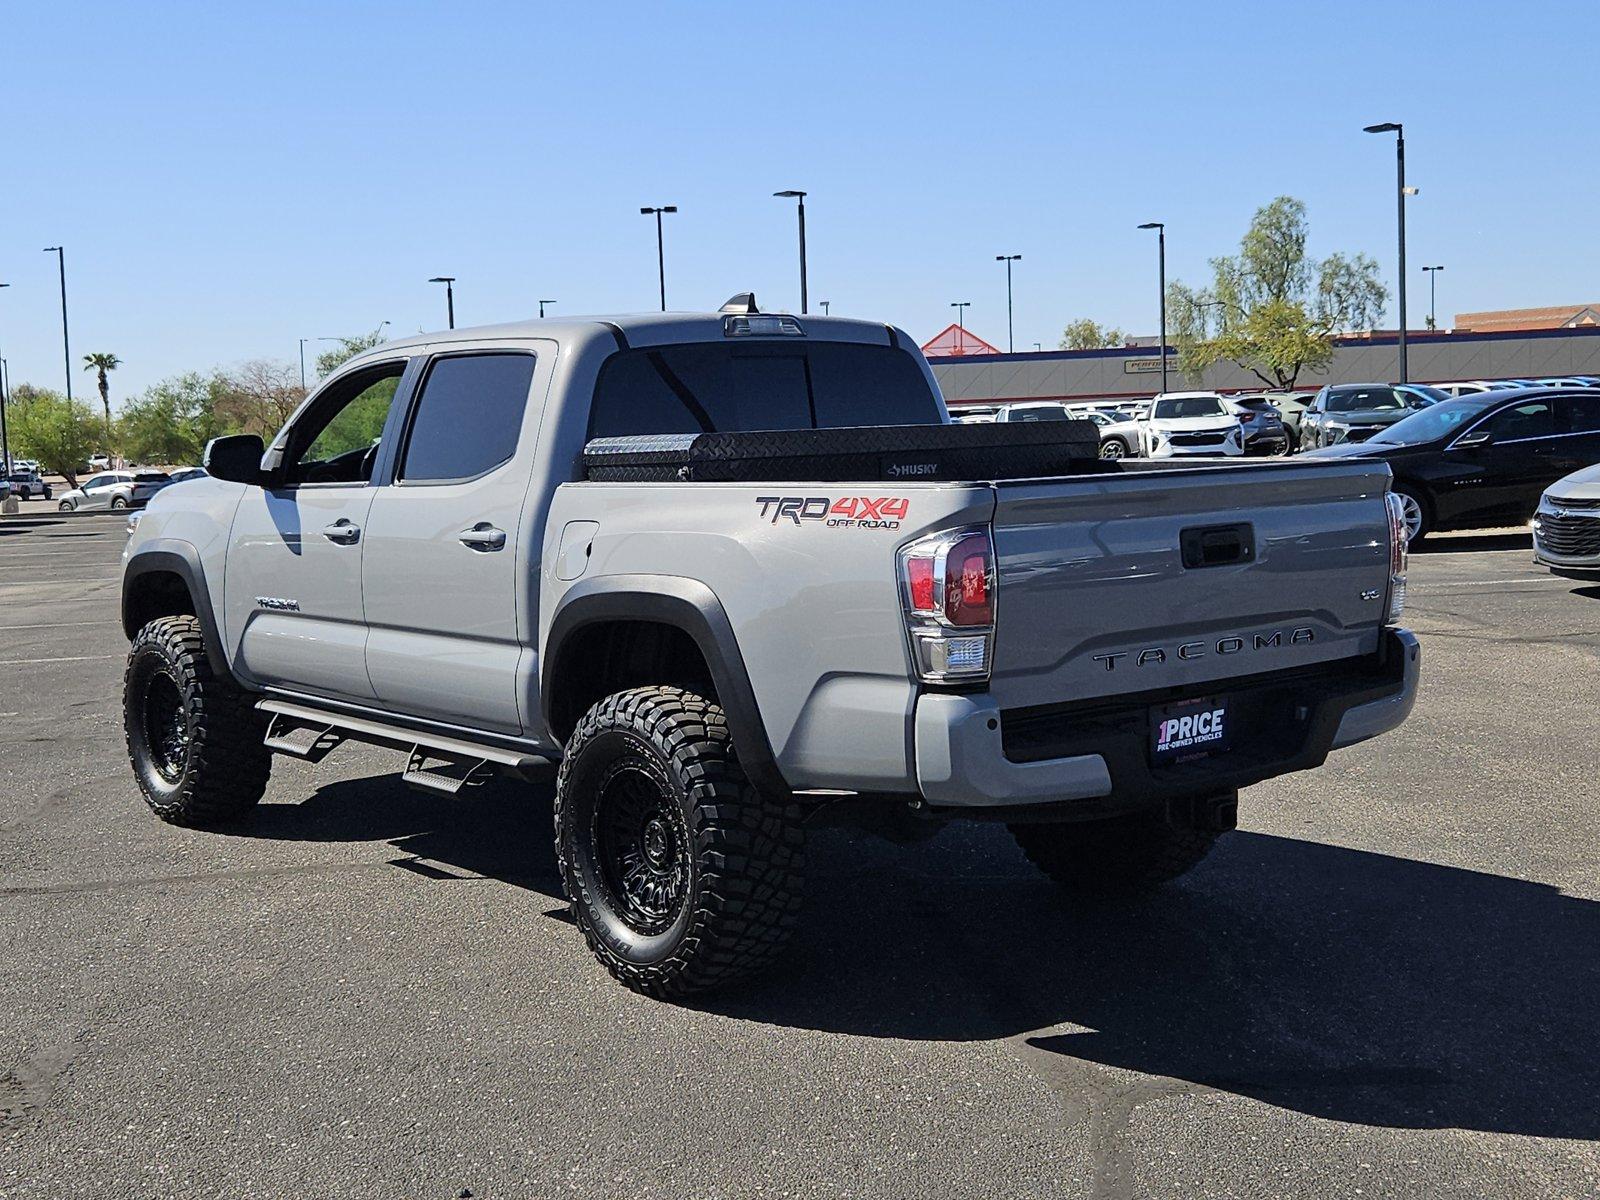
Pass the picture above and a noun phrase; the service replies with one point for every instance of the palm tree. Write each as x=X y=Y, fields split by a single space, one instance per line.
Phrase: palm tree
x=103 y=363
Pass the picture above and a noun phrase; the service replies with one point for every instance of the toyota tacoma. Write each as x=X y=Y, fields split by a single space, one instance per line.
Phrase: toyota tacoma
x=725 y=576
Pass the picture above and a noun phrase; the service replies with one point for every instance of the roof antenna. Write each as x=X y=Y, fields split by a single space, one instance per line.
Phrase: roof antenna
x=740 y=302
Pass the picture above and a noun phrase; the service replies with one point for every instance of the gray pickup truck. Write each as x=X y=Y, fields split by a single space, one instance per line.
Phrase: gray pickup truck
x=566 y=548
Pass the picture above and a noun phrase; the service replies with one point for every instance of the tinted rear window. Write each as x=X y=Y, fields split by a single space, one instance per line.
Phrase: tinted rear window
x=468 y=417
x=1044 y=412
x=727 y=386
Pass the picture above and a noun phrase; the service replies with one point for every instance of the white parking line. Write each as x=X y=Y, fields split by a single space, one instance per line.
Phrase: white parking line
x=34 y=662
x=1484 y=582
x=57 y=625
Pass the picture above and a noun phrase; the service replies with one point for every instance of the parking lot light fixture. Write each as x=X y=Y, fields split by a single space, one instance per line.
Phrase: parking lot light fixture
x=1433 y=278
x=1008 y=259
x=961 y=307
x=449 y=282
x=827 y=306
x=542 y=303
x=793 y=194
x=661 y=254
x=1396 y=128
x=1161 y=277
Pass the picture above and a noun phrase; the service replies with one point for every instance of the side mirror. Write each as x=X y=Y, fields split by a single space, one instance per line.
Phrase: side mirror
x=236 y=458
x=1470 y=441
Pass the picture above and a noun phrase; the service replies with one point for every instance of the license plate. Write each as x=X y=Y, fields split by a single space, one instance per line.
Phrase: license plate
x=1192 y=729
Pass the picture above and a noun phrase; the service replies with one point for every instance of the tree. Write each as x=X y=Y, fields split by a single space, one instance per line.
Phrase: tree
x=1271 y=309
x=256 y=397
x=101 y=363
x=1084 y=334
x=60 y=433
x=172 y=421
x=331 y=360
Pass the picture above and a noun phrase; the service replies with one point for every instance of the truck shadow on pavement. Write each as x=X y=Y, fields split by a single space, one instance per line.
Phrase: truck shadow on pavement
x=1335 y=982
x=1462 y=543
x=1340 y=983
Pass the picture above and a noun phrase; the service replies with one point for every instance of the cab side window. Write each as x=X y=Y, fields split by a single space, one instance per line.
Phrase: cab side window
x=336 y=440
x=468 y=417
x=1534 y=419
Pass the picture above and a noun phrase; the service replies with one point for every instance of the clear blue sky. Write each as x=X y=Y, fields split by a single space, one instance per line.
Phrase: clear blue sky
x=229 y=178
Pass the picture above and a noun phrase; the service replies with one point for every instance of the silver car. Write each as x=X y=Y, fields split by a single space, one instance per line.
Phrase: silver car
x=114 y=489
x=1566 y=526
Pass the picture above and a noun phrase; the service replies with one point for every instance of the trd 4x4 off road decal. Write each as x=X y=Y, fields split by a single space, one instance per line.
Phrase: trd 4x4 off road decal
x=847 y=512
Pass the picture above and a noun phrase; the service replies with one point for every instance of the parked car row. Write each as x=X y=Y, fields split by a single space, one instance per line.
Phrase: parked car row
x=1484 y=460
x=122 y=489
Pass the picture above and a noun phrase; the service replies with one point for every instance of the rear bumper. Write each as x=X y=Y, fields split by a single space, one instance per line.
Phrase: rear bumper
x=1091 y=760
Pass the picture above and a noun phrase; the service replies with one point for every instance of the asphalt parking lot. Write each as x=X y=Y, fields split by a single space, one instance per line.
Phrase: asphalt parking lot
x=1385 y=984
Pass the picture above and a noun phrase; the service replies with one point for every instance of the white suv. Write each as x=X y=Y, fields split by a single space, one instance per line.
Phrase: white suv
x=1192 y=423
x=114 y=489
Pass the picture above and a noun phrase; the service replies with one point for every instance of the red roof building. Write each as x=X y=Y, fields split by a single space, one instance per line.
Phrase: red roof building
x=954 y=341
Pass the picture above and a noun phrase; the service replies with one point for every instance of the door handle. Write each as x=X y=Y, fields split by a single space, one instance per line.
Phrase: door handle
x=483 y=536
x=342 y=531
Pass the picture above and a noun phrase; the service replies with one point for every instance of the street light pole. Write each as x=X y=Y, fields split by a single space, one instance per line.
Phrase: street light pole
x=303 y=342
x=5 y=400
x=961 y=307
x=801 y=198
x=1008 y=259
x=449 y=282
x=66 y=342
x=1433 y=318
x=1161 y=270
x=827 y=307
x=542 y=303
x=1396 y=128
x=661 y=253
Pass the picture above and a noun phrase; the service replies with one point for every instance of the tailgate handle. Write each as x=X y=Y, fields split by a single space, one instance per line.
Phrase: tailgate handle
x=1217 y=545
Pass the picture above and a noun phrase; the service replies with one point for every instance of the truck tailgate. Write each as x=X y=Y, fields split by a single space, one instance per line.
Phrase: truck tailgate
x=1147 y=580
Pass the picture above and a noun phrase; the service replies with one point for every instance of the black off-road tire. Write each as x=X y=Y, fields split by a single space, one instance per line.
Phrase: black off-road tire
x=194 y=738
x=725 y=894
x=1116 y=856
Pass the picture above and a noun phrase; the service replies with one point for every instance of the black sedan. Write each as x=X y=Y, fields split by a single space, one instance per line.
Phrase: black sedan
x=1481 y=461
x=1354 y=412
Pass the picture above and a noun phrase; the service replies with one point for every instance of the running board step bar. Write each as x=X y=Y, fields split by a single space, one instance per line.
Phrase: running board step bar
x=446 y=776
x=307 y=740
x=436 y=762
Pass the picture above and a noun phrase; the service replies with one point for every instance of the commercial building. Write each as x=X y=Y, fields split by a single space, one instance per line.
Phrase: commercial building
x=1126 y=372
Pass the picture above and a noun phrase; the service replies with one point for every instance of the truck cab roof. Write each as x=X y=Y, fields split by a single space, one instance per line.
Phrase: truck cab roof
x=625 y=330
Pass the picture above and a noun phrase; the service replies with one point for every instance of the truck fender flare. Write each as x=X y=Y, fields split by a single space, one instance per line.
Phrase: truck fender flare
x=685 y=604
x=175 y=557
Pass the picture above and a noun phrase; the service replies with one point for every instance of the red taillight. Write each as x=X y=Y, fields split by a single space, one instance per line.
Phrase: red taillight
x=919 y=582
x=969 y=570
x=948 y=581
